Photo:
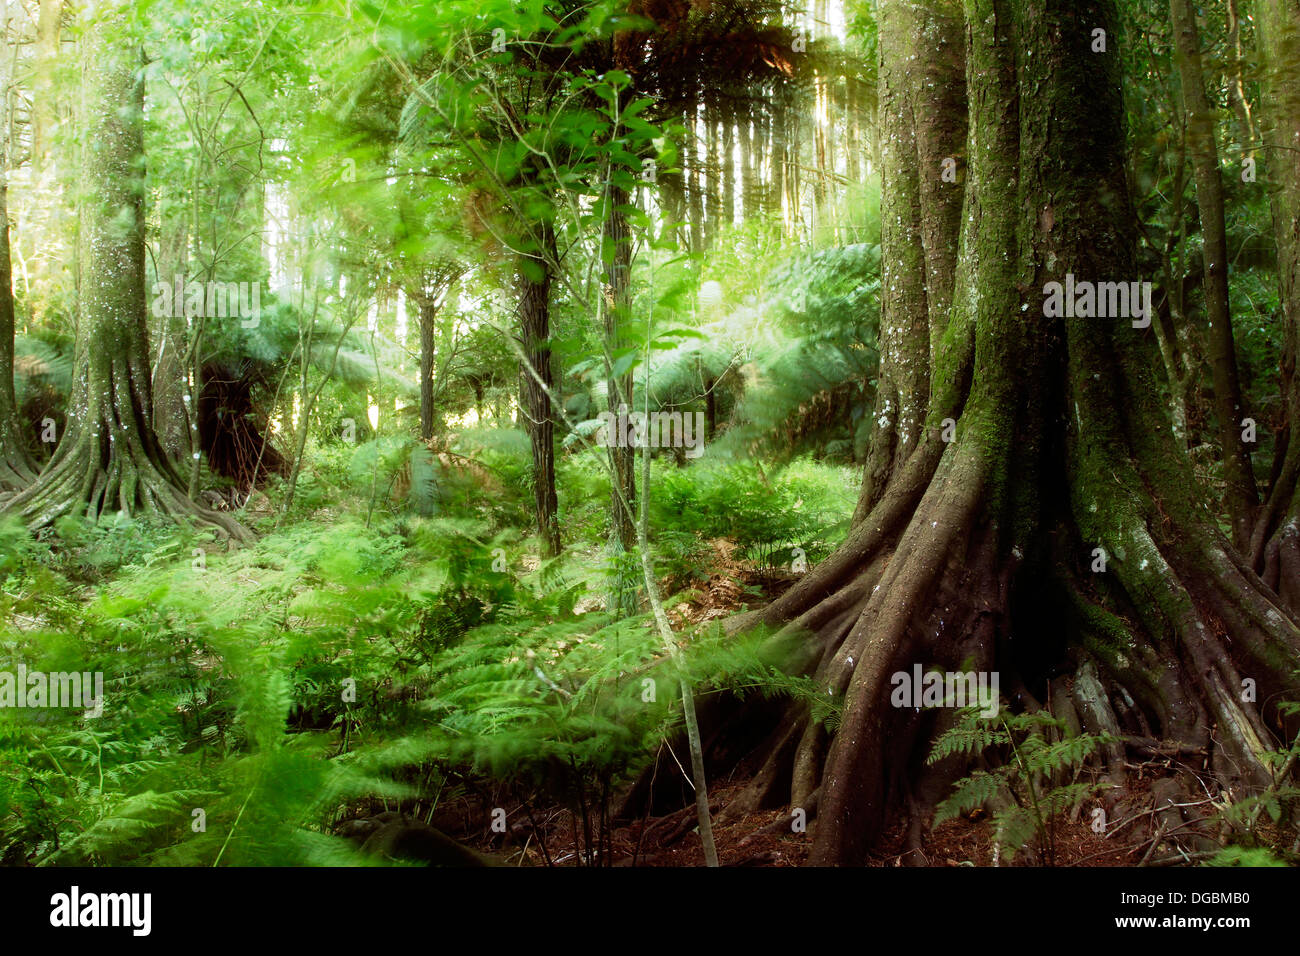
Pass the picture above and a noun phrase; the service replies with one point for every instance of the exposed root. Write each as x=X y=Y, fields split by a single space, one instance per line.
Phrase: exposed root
x=93 y=480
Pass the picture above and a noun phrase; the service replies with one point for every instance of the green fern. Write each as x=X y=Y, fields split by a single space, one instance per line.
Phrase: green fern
x=1030 y=760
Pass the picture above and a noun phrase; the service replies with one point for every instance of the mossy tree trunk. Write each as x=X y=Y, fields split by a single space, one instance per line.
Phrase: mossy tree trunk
x=922 y=140
x=1203 y=149
x=1275 y=543
x=979 y=552
x=110 y=458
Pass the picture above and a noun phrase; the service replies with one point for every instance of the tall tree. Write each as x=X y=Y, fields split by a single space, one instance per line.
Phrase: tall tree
x=17 y=469
x=1275 y=543
x=534 y=271
x=430 y=295
x=1059 y=528
x=1203 y=149
x=110 y=458
x=618 y=313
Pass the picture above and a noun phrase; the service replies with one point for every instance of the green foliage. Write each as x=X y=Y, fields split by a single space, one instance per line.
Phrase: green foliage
x=803 y=506
x=748 y=663
x=1026 y=788
x=273 y=687
x=1258 y=822
x=1244 y=856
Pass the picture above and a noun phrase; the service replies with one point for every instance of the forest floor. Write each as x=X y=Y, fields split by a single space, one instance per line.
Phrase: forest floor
x=766 y=838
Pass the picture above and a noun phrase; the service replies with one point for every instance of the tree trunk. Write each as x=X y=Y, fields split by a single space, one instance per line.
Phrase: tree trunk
x=428 y=326
x=764 y=167
x=1242 y=496
x=618 y=302
x=17 y=469
x=694 y=197
x=792 y=155
x=672 y=201
x=175 y=409
x=535 y=400
x=776 y=153
x=977 y=553
x=110 y=458
x=712 y=176
x=1275 y=542
x=728 y=169
x=922 y=131
x=748 y=186
x=1236 y=81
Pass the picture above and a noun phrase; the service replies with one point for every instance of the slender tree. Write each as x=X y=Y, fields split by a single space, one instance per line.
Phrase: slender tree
x=1202 y=146
x=430 y=295
x=17 y=469
x=617 y=307
x=534 y=272
x=1275 y=542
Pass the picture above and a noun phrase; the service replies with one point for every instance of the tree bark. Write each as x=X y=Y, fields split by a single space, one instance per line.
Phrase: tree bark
x=728 y=168
x=777 y=156
x=694 y=197
x=748 y=186
x=1275 y=542
x=712 y=175
x=922 y=125
x=1242 y=495
x=535 y=400
x=428 y=308
x=618 y=302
